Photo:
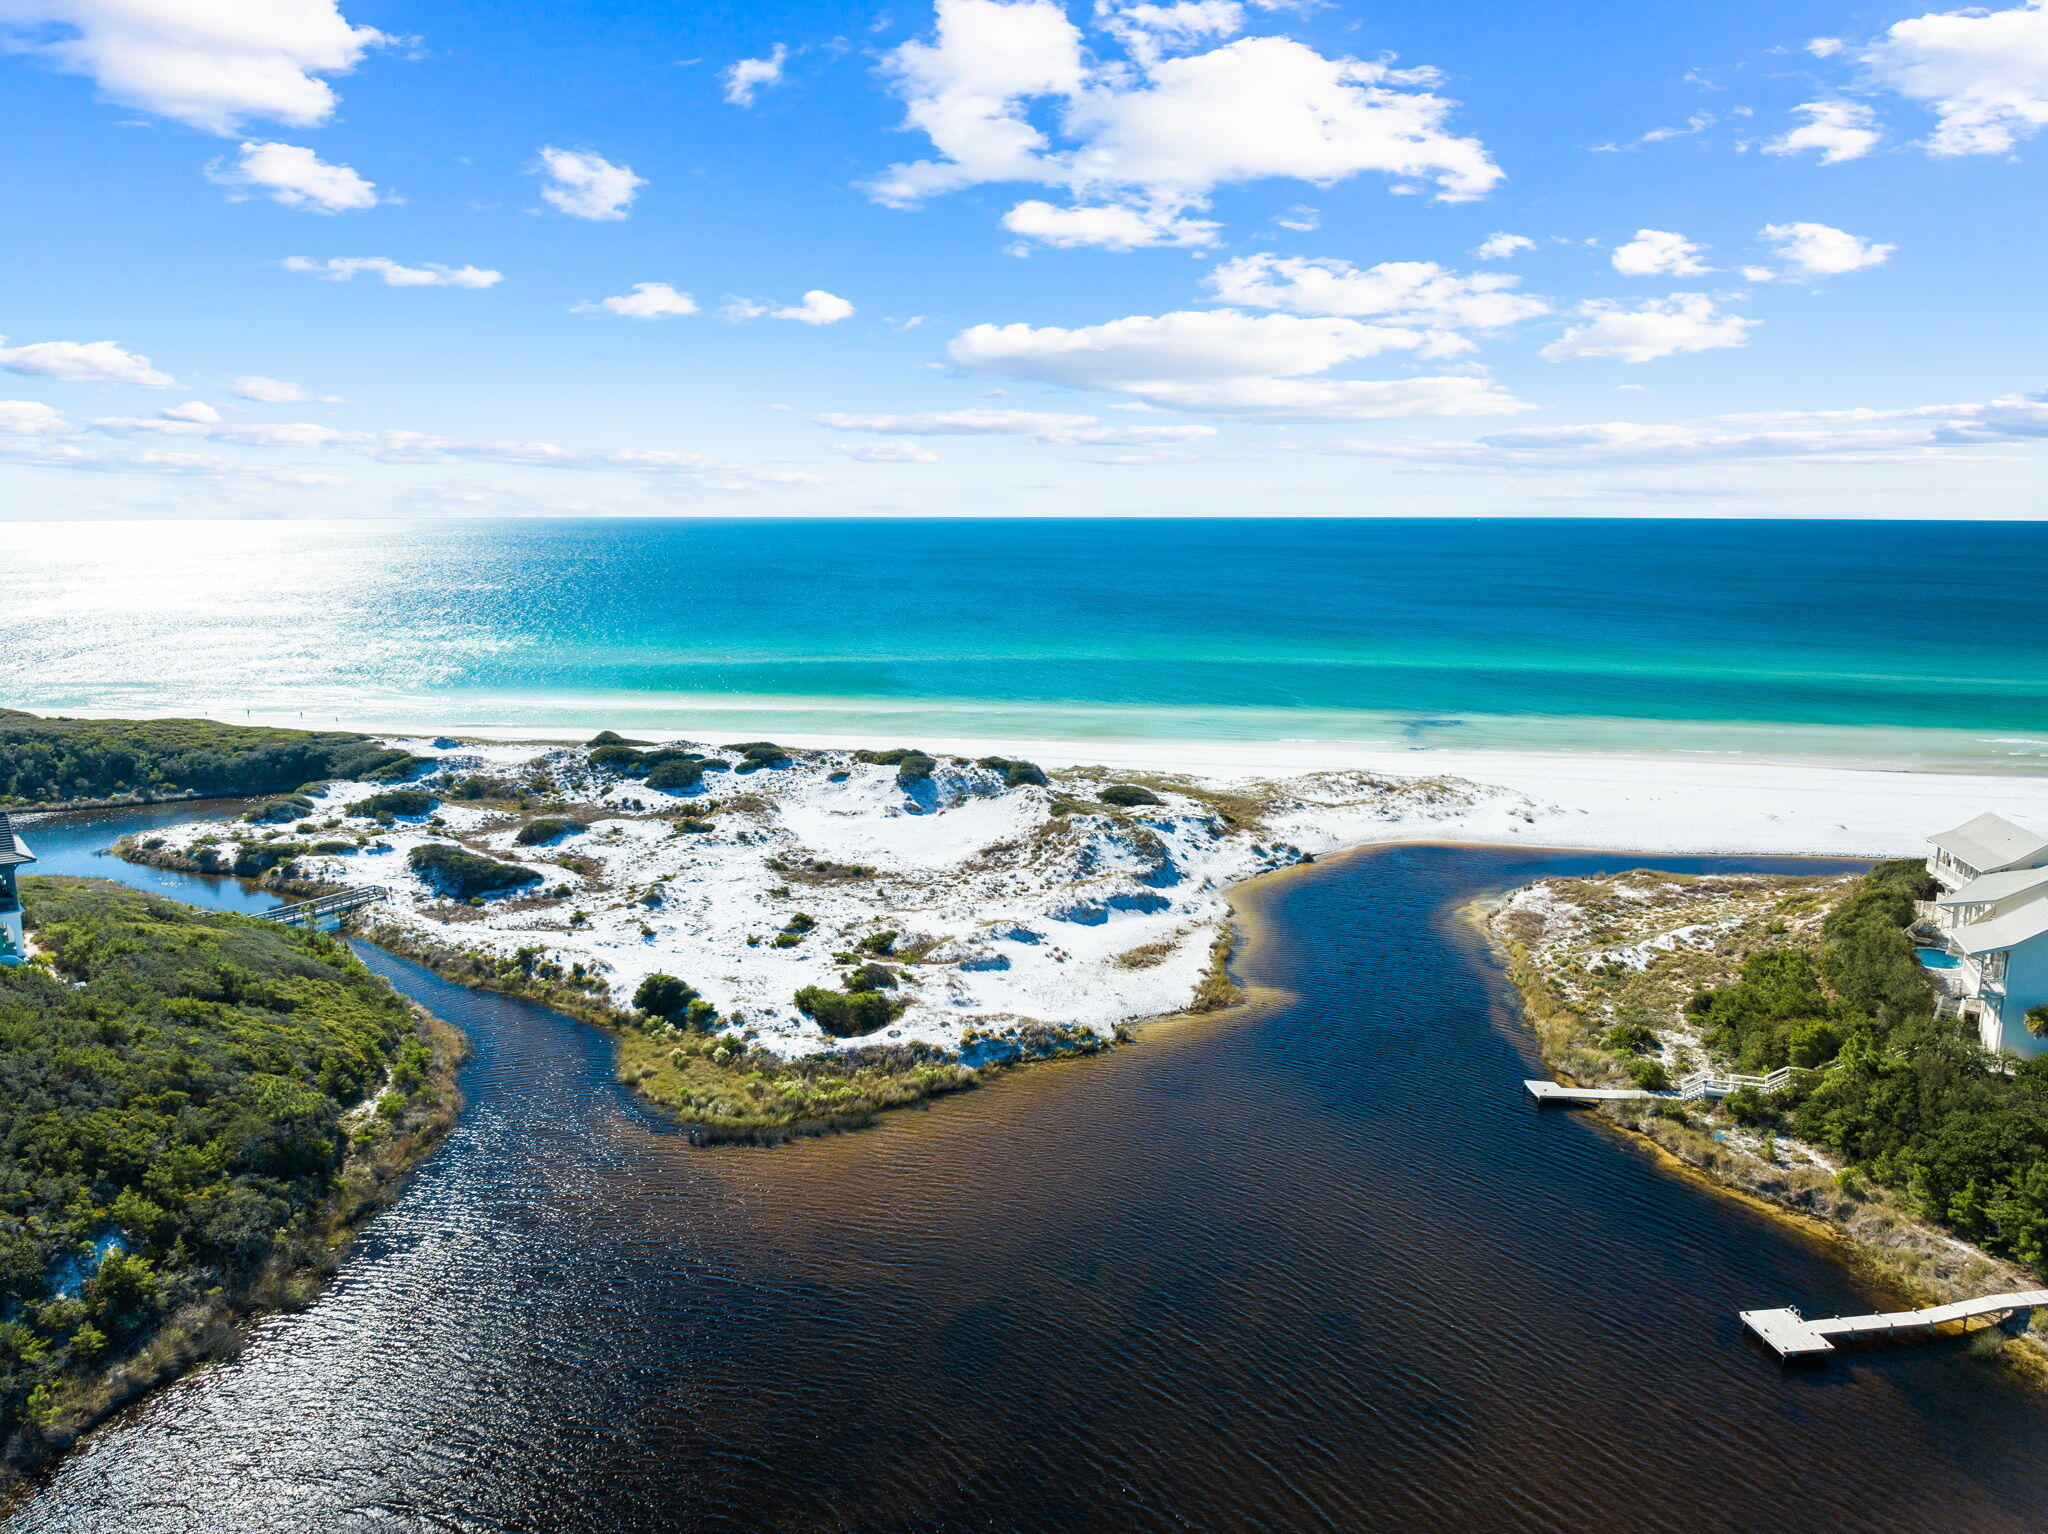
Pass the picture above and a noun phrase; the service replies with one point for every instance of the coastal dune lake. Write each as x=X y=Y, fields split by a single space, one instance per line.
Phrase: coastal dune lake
x=1314 y=1265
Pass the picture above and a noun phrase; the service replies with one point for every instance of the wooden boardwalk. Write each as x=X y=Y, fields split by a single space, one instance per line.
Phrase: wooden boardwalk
x=313 y=912
x=1689 y=1088
x=1790 y=1335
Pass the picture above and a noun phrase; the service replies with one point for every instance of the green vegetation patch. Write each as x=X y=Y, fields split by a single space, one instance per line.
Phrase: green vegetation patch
x=537 y=832
x=1822 y=976
x=55 y=761
x=463 y=875
x=396 y=801
x=1128 y=796
x=174 y=1086
x=848 y=1014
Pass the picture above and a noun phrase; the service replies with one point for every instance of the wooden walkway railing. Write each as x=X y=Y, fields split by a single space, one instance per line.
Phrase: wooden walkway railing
x=1689 y=1088
x=312 y=911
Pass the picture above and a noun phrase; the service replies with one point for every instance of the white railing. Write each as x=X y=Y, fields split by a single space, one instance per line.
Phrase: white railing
x=327 y=905
x=1720 y=1083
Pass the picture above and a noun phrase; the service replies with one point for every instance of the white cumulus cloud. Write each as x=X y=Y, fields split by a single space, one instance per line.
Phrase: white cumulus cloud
x=29 y=418
x=191 y=410
x=647 y=301
x=209 y=63
x=427 y=275
x=1819 y=250
x=83 y=362
x=1498 y=247
x=748 y=76
x=1113 y=226
x=1162 y=130
x=1984 y=74
x=1419 y=293
x=1227 y=362
x=293 y=176
x=886 y=452
x=1658 y=327
x=818 y=308
x=1838 y=130
x=1147 y=31
x=585 y=185
x=1658 y=251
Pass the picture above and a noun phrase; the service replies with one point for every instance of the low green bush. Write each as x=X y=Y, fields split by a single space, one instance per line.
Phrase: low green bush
x=1650 y=1075
x=1016 y=774
x=277 y=811
x=546 y=829
x=461 y=874
x=1632 y=1037
x=396 y=801
x=847 y=1014
x=674 y=1001
x=1128 y=796
x=675 y=775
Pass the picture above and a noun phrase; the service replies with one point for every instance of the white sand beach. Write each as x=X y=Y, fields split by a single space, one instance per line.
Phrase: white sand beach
x=1023 y=904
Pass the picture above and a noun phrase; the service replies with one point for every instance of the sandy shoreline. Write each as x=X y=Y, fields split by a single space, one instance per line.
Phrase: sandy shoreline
x=1647 y=803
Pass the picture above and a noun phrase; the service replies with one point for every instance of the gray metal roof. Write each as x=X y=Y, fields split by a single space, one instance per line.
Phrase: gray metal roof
x=1989 y=889
x=13 y=849
x=1991 y=842
x=2007 y=931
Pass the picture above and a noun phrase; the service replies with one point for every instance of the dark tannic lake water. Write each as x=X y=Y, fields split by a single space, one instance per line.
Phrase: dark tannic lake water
x=1312 y=1267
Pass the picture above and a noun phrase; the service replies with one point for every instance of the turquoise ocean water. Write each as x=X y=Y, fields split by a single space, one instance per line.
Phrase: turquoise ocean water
x=1878 y=643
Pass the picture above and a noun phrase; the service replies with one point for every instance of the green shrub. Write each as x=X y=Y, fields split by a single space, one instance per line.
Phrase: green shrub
x=277 y=811
x=1631 y=1037
x=255 y=859
x=1750 y=1108
x=1650 y=1075
x=676 y=774
x=546 y=829
x=1016 y=774
x=1128 y=796
x=619 y=758
x=611 y=738
x=396 y=801
x=847 y=1014
x=461 y=874
x=674 y=1001
x=478 y=787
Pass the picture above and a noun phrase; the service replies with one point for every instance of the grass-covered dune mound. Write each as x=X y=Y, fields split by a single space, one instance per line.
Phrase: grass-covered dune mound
x=175 y=1134
x=58 y=761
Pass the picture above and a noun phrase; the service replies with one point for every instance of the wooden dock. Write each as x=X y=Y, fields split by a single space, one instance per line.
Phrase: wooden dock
x=1791 y=1336
x=1551 y=1092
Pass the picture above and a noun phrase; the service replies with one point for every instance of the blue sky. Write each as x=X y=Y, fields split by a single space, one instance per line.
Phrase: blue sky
x=1009 y=257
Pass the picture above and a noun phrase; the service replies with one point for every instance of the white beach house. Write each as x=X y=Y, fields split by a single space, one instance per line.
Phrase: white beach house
x=1993 y=928
x=14 y=854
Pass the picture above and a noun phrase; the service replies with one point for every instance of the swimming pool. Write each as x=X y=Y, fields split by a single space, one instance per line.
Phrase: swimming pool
x=1938 y=958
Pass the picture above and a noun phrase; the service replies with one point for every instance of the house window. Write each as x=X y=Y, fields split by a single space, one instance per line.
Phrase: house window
x=1992 y=967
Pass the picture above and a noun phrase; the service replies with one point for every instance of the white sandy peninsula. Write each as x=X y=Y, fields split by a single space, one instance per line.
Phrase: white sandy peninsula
x=1012 y=902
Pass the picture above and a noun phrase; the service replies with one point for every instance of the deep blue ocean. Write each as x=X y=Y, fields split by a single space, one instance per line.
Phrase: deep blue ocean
x=1878 y=642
